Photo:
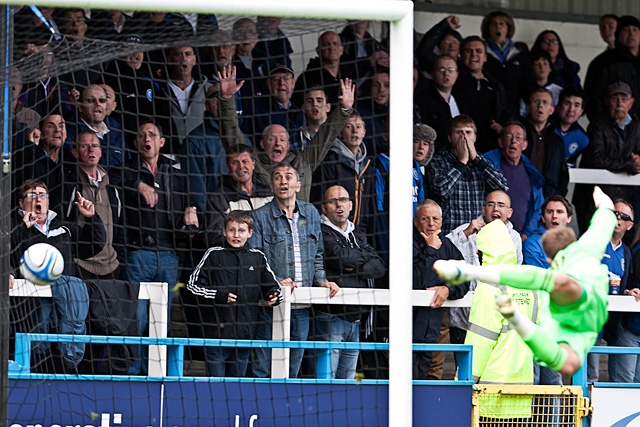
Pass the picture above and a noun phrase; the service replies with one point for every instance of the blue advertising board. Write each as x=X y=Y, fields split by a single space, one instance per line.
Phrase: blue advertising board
x=187 y=403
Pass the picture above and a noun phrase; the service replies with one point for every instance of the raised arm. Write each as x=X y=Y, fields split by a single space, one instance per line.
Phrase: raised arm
x=320 y=144
x=230 y=132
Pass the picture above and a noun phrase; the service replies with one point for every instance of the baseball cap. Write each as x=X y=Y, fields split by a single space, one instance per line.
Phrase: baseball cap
x=280 y=68
x=134 y=38
x=618 y=87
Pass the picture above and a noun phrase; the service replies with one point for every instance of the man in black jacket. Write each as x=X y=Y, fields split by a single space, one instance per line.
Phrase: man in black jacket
x=326 y=70
x=67 y=310
x=240 y=190
x=481 y=94
x=613 y=145
x=619 y=64
x=438 y=105
x=428 y=247
x=350 y=262
x=158 y=211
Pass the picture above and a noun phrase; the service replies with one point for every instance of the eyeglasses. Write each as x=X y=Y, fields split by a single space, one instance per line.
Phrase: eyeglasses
x=510 y=136
x=36 y=195
x=450 y=42
x=279 y=78
x=336 y=200
x=430 y=218
x=96 y=100
x=448 y=69
x=494 y=204
x=550 y=41
x=623 y=216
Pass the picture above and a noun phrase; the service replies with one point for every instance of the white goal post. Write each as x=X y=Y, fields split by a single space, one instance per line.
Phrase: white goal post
x=400 y=15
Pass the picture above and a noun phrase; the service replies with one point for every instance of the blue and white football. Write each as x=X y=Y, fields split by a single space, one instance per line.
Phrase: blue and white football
x=42 y=264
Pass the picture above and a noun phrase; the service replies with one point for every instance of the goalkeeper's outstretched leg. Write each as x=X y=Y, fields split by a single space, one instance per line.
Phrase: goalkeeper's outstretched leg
x=558 y=356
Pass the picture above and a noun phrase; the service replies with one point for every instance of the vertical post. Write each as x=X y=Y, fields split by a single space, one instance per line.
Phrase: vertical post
x=157 y=293
x=401 y=215
x=5 y=217
x=281 y=332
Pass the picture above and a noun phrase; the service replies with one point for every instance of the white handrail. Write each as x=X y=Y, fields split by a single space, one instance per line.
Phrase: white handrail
x=602 y=176
x=156 y=293
x=158 y=315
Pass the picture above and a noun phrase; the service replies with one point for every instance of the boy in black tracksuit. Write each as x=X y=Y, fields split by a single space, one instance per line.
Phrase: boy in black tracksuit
x=235 y=277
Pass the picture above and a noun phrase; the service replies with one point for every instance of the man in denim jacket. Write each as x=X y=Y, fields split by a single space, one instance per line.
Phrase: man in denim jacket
x=288 y=232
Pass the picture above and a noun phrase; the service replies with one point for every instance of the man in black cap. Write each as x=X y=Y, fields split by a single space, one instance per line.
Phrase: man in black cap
x=612 y=145
x=275 y=108
x=615 y=65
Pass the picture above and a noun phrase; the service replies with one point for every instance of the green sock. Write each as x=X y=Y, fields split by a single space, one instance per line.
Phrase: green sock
x=528 y=277
x=546 y=350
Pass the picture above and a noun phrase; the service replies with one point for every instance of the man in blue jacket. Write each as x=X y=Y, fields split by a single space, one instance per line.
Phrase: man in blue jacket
x=525 y=182
x=288 y=231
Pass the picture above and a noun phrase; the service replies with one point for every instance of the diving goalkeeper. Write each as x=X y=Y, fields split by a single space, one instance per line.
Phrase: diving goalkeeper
x=577 y=283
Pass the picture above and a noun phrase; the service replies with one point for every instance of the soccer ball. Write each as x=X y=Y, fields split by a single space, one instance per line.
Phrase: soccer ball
x=41 y=264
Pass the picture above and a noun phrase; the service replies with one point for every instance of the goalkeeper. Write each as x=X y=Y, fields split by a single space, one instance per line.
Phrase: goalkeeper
x=577 y=282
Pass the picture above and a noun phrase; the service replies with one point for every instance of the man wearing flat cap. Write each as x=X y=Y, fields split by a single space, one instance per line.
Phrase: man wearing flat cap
x=615 y=65
x=275 y=108
x=613 y=145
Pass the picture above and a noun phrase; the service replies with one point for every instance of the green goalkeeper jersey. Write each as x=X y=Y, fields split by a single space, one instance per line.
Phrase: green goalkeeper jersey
x=579 y=323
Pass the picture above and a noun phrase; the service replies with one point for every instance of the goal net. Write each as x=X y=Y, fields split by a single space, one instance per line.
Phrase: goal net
x=127 y=154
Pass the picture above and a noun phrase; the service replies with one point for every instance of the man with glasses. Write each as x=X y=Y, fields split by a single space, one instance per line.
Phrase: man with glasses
x=616 y=332
x=428 y=247
x=626 y=366
x=73 y=22
x=276 y=108
x=438 y=105
x=497 y=206
x=352 y=262
x=92 y=108
x=66 y=312
x=525 y=182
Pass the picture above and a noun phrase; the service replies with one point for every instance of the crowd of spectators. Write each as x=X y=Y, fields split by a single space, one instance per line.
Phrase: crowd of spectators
x=164 y=143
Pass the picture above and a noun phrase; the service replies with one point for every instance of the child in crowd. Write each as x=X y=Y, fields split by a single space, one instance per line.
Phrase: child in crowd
x=235 y=277
x=541 y=65
x=568 y=112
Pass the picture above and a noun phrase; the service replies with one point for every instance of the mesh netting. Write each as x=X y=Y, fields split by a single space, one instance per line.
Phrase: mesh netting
x=154 y=221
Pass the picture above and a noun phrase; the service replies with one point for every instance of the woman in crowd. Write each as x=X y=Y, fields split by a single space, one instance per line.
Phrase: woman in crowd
x=505 y=62
x=564 y=72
